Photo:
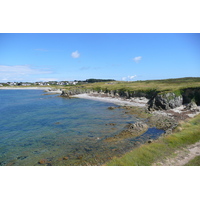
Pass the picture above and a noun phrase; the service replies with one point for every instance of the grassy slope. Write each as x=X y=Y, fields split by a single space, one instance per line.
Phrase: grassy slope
x=159 y=85
x=194 y=162
x=148 y=154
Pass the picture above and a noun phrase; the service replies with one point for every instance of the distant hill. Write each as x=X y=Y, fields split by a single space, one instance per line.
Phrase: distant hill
x=92 y=80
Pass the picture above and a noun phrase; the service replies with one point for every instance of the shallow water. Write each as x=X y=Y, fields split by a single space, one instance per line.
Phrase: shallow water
x=60 y=131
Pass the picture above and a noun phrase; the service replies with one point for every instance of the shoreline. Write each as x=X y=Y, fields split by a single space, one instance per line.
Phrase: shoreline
x=138 y=102
x=179 y=112
x=45 y=89
x=25 y=88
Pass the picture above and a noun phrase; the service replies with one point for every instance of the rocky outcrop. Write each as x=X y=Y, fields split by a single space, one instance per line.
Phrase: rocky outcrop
x=165 y=101
x=172 y=100
x=68 y=93
x=137 y=127
x=163 y=122
x=157 y=100
x=131 y=130
x=111 y=93
x=191 y=94
x=192 y=106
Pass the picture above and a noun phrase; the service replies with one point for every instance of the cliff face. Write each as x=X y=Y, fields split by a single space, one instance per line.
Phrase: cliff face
x=165 y=101
x=191 y=94
x=174 y=99
x=157 y=100
x=68 y=93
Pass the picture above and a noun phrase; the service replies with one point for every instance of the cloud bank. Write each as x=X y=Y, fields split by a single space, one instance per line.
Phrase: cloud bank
x=75 y=54
x=20 y=72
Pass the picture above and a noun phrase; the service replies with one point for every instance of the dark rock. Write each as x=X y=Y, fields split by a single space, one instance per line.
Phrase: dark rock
x=21 y=157
x=111 y=108
x=191 y=106
x=138 y=126
x=49 y=164
x=111 y=124
x=57 y=123
x=165 y=101
x=87 y=149
x=191 y=94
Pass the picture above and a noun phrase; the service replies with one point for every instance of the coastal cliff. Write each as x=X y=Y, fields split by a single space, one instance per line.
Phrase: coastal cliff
x=157 y=100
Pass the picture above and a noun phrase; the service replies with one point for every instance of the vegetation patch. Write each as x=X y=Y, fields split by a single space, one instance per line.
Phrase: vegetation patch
x=194 y=162
x=147 y=154
x=137 y=111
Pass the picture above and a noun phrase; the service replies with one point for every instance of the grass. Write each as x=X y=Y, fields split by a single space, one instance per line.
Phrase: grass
x=150 y=88
x=147 y=154
x=159 y=85
x=194 y=162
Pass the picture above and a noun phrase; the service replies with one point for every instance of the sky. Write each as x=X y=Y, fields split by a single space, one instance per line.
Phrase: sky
x=79 y=56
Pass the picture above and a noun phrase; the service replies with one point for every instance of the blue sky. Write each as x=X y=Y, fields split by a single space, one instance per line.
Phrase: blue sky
x=119 y=56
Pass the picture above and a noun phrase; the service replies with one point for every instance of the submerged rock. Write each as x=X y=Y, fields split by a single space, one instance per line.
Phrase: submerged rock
x=111 y=108
x=42 y=161
x=131 y=130
x=137 y=127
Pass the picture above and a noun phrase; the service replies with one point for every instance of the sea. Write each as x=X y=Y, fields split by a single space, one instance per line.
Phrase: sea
x=42 y=129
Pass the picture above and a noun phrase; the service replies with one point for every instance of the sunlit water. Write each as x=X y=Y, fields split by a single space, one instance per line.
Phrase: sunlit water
x=61 y=131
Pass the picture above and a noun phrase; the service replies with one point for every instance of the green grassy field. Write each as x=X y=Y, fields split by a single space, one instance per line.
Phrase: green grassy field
x=165 y=85
x=147 y=154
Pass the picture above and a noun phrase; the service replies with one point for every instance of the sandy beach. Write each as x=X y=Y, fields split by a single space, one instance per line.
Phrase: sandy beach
x=179 y=113
x=140 y=102
x=25 y=88
x=46 y=89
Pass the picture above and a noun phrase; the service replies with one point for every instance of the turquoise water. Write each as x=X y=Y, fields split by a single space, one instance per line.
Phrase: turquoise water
x=60 y=131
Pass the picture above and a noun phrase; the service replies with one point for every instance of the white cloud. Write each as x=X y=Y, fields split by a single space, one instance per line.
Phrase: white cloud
x=128 y=78
x=137 y=59
x=75 y=54
x=132 y=77
x=19 y=72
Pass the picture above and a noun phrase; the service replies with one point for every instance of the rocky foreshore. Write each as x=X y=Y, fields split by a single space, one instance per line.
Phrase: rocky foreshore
x=153 y=99
x=166 y=109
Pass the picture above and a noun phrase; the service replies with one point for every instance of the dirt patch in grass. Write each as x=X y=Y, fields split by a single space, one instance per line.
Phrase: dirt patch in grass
x=189 y=156
x=194 y=162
